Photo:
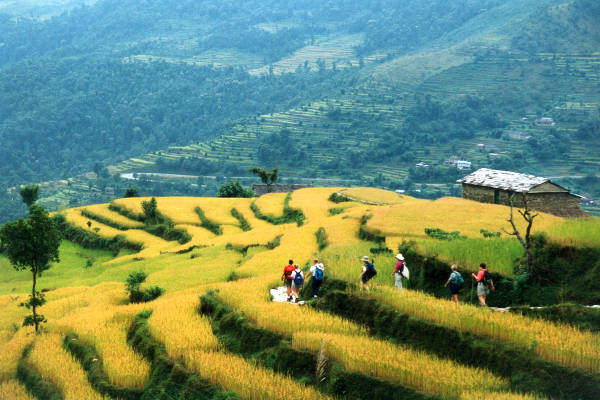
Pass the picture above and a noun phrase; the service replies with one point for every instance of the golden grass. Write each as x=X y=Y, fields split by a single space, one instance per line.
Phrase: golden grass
x=52 y=362
x=103 y=211
x=195 y=344
x=313 y=202
x=12 y=346
x=271 y=203
x=176 y=272
x=13 y=390
x=374 y=195
x=99 y=314
x=106 y=329
x=409 y=220
x=563 y=344
x=251 y=296
x=248 y=380
x=401 y=365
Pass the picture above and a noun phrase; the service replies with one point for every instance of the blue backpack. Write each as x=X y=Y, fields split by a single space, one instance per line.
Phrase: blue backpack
x=318 y=274
x=298 y=279
x=371 y=271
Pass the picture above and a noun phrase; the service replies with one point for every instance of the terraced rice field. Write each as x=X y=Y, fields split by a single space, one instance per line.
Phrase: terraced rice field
x=239 y=268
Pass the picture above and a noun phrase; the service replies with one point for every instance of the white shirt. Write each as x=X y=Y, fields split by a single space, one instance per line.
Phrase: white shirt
x=314 y=267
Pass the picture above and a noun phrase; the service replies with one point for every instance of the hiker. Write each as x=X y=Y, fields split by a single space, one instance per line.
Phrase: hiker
x=287 y=278
x=368 y=272
x=297 y=281
x=484 y=283
x=398 y=273
x=317 y=277
x=454 y=283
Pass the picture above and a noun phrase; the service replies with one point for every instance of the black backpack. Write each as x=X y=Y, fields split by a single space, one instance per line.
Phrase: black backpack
x=486 y=278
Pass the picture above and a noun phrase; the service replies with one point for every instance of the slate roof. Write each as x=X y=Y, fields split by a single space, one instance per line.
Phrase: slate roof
x=504 y=180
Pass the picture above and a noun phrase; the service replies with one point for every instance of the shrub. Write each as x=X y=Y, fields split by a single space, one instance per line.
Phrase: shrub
x=440 y=234
x=137 y=295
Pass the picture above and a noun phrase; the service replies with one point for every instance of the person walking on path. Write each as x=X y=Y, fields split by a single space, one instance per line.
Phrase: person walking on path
x=287 y=278
x=484 y=283
x=317 y=271
x=454 y=283
x=297 y=281
x=368 y=272
x=398 y=271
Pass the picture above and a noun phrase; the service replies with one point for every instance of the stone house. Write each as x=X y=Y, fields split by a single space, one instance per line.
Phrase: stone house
x=494 y=186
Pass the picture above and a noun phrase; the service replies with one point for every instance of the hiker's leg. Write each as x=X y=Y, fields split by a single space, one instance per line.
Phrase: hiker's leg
x=454 y=298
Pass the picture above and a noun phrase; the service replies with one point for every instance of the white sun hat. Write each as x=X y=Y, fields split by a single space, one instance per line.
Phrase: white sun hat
x=365 y=258
x=400 y=257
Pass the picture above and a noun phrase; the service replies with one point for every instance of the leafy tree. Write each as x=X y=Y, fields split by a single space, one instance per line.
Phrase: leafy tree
x=267 y=177
x=234 y=189
x=30 y=194
x=150 y=210
x=131 y=192
x=32 y=244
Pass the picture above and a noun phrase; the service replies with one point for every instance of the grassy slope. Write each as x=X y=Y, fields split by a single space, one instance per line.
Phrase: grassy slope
x=91 y=301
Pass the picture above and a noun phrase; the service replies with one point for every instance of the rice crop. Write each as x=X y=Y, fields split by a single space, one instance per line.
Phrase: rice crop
x=13 y=390
x=398 y=364
x=251 y=297
x=195 y=344
x=409 y=220
x=498 y=254
x=193 y=333
x=313 y=202
x=271 y=203
x=575 y=232
x=103 y=211
x=563 y=344
x=12 y=348
x=56 y=365
x=106 y=330
x=248 y=380
x=374 y=195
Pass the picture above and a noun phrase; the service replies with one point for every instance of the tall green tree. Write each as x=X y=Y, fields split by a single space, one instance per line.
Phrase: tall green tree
x=267 y=177
x=30 y=194
x=32 y=244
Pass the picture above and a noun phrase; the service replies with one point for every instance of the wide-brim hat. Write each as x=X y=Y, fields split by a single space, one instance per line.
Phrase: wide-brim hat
x=400 y=257
x=365 y=258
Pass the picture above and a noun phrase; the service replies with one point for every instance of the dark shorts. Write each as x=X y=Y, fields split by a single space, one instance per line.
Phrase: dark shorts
x=288 y=282
x=453 y=289
x=365 y=278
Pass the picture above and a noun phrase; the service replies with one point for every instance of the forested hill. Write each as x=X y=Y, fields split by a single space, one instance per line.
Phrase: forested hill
x=355 y=91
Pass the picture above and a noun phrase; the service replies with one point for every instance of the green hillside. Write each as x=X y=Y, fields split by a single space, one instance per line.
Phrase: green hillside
x=357 y=95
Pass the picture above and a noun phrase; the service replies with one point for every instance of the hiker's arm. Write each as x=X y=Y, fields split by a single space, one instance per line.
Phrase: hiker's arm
x=474 y=276
x=492 y=285
x=447 y=283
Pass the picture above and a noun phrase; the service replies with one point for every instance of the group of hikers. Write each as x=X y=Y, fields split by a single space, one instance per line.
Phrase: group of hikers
x=294 y=278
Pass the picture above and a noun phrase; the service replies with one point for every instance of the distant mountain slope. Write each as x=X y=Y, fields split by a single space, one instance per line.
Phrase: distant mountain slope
x=323 y=89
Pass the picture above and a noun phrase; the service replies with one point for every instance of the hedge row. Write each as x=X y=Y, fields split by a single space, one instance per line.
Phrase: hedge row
x=169 y=379
x=91 y=362
x=527 y=372
x=289 y=214
x=91 y=240
x=34 y=382
x=207 y=223
x=103 y=220
x=164 y=228
x=244 y=224
x=274 y=351
x=124 y=211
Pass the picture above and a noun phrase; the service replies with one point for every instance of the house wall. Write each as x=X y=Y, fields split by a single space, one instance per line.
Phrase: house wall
x=260 y=189
x=562 y=203
x=548 y=187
